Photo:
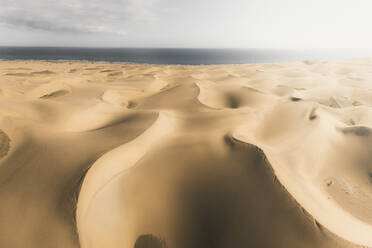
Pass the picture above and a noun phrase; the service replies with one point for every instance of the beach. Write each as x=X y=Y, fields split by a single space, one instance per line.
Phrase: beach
x=116 y=155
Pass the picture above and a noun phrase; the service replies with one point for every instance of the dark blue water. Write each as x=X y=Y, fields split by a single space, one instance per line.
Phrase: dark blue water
x=174 y=56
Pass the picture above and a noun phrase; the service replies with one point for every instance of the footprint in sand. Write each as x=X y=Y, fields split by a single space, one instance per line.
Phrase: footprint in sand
x=4 y=144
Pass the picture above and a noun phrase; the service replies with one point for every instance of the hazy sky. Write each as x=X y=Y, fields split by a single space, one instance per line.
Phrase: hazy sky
x=187 y=23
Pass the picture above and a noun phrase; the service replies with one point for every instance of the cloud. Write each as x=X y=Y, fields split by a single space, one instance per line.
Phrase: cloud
x=76 y=16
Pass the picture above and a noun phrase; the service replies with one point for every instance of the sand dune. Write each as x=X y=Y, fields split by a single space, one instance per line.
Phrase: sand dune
x=99 y=155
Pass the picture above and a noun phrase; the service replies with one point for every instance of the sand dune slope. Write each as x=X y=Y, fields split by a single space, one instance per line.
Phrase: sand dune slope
x=99 y=155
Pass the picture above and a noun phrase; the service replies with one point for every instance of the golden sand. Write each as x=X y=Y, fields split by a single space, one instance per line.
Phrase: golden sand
x=97 y=155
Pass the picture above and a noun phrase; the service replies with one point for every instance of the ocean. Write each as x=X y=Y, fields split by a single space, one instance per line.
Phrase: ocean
x=176 y=56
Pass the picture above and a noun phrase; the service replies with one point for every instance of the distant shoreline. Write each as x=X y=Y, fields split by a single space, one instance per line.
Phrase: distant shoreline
x=178 y=65
x=163 y=56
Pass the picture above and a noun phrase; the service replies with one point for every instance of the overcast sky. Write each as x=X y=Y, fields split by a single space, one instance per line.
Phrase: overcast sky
x=187 y=23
